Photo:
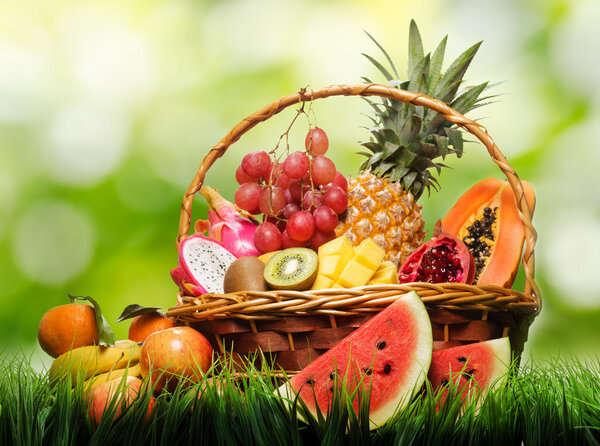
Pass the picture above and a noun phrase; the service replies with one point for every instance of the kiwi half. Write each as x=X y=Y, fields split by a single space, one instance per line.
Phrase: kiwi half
x=292 y=269
x=245 y=274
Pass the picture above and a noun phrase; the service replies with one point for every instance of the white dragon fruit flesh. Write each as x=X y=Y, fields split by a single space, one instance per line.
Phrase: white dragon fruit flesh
x=202 y=265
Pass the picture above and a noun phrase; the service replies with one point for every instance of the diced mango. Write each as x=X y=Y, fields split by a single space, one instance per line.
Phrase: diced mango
x=355 y=274
x=369 y=254
x=338 y=246
x=322 y=282
x=385 y=274
x=333 y=257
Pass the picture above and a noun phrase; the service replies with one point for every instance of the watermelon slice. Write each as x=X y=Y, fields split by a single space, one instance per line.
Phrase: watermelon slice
x=389 y=354
x=472 y=368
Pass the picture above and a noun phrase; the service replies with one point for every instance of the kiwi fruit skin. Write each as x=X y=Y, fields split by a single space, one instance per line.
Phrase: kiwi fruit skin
x=245 y=274
x=302 y=280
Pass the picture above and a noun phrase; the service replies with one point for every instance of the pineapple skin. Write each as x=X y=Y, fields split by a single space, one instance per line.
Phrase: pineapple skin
x=383 y=211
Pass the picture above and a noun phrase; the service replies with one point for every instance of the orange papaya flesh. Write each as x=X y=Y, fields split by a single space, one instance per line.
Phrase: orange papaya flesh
x=487 y=220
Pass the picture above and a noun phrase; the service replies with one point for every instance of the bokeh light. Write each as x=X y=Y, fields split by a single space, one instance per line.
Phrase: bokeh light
x=54 y=242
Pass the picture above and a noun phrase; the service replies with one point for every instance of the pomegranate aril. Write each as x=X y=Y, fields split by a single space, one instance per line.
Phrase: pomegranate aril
x=256 y=164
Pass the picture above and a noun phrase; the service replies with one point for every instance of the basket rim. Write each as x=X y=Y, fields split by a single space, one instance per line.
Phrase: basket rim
x=267 y=305
x=531 y=289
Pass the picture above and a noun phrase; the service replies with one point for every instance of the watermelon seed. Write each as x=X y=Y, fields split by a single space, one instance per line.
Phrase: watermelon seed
x=387 y=369
x=332 y=375
x=469 y=374
x=310 y=382
x=462 y=359
x=444 y=381
x=381 y=345
x=367 y=371
x=331 y=389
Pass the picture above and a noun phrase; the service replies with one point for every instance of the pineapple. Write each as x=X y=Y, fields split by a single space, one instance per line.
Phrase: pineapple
x=405 y=141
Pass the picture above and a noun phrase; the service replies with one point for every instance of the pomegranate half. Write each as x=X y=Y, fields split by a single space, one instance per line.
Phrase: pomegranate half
x=444 y=258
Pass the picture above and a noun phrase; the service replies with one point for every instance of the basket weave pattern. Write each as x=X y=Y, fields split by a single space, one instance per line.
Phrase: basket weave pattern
x=295 y=327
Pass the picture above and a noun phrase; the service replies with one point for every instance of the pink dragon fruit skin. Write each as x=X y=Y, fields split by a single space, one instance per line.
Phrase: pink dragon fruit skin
x=202 y=265
x=227 y=225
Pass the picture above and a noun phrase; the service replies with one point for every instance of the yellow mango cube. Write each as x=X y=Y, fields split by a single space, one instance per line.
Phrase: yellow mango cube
x=355 y=274
x=369 y=254
x=322 y=282
x=338 y=246
x=330 y=266
x=385 y=274
x=333 y=257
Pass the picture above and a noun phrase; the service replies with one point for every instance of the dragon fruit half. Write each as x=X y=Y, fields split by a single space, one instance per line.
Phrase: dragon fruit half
x=202 y=265
x=226 y=225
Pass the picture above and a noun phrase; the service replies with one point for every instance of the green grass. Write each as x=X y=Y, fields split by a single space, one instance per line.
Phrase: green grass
x=545 y=404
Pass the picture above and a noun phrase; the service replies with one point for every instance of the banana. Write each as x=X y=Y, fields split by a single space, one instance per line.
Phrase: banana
x=91 y=360
x=96 y=380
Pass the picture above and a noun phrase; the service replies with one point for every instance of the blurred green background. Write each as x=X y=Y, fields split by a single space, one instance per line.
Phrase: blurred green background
x=108 y=107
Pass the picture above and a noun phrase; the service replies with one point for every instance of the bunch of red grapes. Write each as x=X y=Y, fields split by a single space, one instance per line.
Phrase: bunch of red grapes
x=300 y=198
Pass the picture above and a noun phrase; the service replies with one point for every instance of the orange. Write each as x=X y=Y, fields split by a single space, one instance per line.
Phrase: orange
x=66 y=327
x=144 y=325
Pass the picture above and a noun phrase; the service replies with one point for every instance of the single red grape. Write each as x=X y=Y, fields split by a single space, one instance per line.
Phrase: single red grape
x=247 y=196
x=320 y=238
x=288 y=242
x=256 y=164
x=325 y=218
x=296 y=165
x=295 y=188
x=341 y=181
x=272 y=200
x=289 y=198
x=316 y=142
x=267 y=237
x=301 y=226
x=276 y=176
x=323 y=170
x=312 y=200
x=336 y=198
x=241 y=177
x=290 y=209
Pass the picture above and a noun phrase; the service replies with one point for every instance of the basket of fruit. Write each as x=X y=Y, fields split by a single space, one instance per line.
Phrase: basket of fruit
x=332 y=252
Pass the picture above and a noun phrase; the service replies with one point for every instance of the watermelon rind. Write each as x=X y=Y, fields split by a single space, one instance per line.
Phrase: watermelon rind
x=496 y=371
x=501 y=350
x=416 y=364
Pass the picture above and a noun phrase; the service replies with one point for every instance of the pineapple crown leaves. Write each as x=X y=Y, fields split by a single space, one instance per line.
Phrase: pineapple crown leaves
x=405 y=139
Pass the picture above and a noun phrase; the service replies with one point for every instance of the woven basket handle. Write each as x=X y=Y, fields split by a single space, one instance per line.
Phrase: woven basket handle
x=417 y=99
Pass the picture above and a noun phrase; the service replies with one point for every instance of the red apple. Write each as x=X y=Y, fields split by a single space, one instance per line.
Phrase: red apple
x=102 y=396
x=175 y=354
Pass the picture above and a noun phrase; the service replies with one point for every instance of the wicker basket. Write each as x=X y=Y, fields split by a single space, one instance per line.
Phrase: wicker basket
x=295 y=327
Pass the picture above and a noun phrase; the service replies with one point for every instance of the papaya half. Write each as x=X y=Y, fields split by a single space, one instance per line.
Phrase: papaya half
x=485 y=217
